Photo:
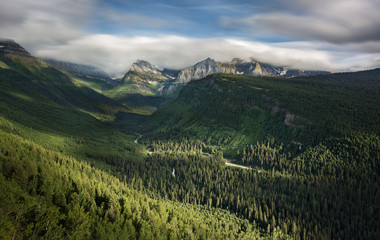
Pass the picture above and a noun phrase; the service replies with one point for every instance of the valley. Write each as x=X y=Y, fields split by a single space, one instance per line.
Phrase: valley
x=233 y=150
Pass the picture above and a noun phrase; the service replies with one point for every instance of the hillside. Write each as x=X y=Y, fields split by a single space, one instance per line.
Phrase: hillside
x=145 y=88
x=305 y=150
x=142 y=88
x=231 y=111
x=43 y=104
x=54 y=184
x=305 y=144
x=80 y=70
x=47 y=195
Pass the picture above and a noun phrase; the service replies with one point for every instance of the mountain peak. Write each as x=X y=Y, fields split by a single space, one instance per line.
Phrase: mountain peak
x=10 y=46
x=207 y=61
x=142 y=66
x=144 y=71
x=199 y=70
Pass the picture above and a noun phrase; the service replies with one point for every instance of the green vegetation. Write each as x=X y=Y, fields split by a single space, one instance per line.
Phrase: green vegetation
x=42 y=104
x=232 y=111
x=70 y=169
x=46 y=195
x=312 y=144
x=328 y=192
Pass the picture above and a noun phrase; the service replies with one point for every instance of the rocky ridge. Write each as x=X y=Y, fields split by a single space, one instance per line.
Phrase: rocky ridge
x=80 y=69
x=238 y=66
x=8 y=46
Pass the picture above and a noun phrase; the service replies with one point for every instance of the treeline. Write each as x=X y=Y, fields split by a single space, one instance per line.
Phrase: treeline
x=346 y=157
x=231 y=111
x=46 y=195
x=330 y=191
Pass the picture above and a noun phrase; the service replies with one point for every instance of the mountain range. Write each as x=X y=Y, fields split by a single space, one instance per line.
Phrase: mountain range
x=152 y=80
x=235 y=155
x=80 y=70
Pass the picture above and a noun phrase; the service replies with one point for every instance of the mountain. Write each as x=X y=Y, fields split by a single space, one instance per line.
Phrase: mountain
x=305 y=153
x=8 y=46
x=145 y=72
x=143 y=77
x=239 y=66
x=79 y=69
x=62 y=166
x=199 y=70
x=234 y=110
x=35 y=95
x=298 y=144
x=143 y=88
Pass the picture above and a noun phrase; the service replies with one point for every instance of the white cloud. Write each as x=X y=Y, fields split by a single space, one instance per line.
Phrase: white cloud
x=115 y=54
x=338 y=21
x=56 y=28
x=39 y=22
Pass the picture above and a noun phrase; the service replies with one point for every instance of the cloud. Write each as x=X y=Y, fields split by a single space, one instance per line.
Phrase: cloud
x=115 y=54
x=338 y=21
x=331 y=35
x=38 y=22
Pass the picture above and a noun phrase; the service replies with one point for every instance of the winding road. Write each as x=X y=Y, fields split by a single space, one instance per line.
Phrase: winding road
x=228 y=163
x=138 y=138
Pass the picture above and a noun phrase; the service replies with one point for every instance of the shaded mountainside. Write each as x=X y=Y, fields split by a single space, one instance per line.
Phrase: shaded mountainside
x=45 y=105
x=234 y=110
x=80 y=70
x=144 y=79
x=310 y=146
x=53 y=184
x=45 y=194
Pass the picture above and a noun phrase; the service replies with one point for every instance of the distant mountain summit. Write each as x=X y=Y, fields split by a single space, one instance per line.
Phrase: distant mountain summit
x=82 y=70
x=8 y=46
x=198 y=71
x=144 y=71
x=239 y=66
x=143 y=77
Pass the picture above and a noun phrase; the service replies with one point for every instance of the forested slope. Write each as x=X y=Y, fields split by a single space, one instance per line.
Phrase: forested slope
x=312 y=145
x=53 y=188
x=231 y=111
x=46 y=195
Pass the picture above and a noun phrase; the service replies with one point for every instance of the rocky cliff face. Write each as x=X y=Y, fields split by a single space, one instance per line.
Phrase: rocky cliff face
x=238 y=66
x=144 y=71
x=8 y=46
x=198 y=71
x=145 y=78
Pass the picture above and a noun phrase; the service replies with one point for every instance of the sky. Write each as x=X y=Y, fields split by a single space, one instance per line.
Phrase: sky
x=334 y=35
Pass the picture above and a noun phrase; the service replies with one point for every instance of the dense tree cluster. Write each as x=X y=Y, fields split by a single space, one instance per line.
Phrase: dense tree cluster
x=310 y=148
x=310 y=195
x=46 y=195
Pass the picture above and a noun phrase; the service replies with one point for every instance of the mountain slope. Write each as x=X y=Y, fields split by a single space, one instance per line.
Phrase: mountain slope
x=44 y=104
x=142 y=88
x=234 y=110
x=79 y=69
x=55 y=138
x=309 y=148
x=47 y=195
